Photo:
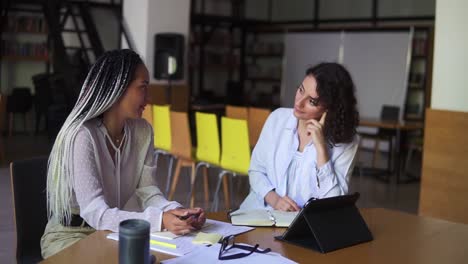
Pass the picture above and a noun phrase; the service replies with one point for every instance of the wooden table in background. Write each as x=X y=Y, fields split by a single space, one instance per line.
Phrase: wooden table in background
x=398 y=238
x=399 y=127
x=375 y=122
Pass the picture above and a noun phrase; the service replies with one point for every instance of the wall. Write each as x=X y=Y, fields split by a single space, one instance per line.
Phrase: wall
x=444 y=183
x=292 y=10
x=335 y=9
x=107 y=26
x=136 y=18
x=167 y=16
x=450 y=78
x=391 y=8
x=150 y=17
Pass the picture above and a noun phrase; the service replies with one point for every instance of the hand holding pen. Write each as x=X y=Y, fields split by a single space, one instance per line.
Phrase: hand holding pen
x=182 y=221
x=195 y=217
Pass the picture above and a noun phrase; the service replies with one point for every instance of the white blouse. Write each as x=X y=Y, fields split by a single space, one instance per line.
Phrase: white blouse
x=276 y=165
x=293 y=180
x=108 y=192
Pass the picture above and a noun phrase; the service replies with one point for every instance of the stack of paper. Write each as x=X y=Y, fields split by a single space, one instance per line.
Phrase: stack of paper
x=171 y=244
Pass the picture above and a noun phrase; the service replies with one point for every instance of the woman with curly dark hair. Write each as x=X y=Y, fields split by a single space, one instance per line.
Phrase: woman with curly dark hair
x=307 y=151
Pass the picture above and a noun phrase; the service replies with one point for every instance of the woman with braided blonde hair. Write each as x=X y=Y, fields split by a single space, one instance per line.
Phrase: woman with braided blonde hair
x=101 y=168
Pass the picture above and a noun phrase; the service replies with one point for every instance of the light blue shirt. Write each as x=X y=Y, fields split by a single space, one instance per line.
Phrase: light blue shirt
x=276 y=165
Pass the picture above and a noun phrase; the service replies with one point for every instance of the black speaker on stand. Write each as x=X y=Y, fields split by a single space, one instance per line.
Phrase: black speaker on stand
x=168 y=58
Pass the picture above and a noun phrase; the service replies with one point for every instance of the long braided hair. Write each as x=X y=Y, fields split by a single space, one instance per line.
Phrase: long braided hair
x=336 y=92
x=106 y=82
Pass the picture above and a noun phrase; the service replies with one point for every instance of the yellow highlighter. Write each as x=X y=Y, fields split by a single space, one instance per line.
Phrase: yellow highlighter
x=163 y=244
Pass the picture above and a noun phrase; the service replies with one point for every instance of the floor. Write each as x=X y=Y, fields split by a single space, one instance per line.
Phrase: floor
x=374 y=192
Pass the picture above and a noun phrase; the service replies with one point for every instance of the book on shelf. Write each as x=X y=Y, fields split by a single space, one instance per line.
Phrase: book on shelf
x=17 y=49
x=28 y=24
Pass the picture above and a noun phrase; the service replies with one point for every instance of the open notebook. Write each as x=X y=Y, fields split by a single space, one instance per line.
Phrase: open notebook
x=262 y=217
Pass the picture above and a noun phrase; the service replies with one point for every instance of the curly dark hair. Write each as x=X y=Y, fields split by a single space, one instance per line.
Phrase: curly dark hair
x=335 y=89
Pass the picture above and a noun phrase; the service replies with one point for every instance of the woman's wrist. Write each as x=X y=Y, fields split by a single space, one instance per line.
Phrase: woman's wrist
x=322 y=155
x=271 y=198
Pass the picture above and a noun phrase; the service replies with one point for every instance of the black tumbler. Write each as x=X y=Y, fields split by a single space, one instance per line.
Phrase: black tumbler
x=134 y=242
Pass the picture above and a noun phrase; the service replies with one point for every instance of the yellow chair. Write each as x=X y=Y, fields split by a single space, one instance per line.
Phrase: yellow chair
x=235 y=155
x=256 y=120
x=162 y=136
x=182 y=150
x=208 y=149
x=238 y=112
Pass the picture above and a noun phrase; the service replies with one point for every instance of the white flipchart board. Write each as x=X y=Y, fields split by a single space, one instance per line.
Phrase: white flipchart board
x=378 y=63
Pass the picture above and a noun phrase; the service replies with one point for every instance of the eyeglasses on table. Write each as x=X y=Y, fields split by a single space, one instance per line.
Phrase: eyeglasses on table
x=228 y=243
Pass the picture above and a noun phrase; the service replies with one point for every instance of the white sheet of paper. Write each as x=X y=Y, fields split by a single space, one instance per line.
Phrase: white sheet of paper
x=210 y=255
x=164 y=235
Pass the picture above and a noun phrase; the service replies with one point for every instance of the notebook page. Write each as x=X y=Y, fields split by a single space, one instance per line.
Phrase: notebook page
x=283 y=219
x=258 y=217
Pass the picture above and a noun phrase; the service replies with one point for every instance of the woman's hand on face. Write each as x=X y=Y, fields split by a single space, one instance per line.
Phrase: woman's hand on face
x=286 y=204
x=173 y=221
x=314 y=130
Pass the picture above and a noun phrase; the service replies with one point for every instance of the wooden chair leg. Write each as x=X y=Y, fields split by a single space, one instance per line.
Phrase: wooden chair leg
x=227 y=199
x=176 y=179
x=376 y=153
x=192 y=185
x=206 y=186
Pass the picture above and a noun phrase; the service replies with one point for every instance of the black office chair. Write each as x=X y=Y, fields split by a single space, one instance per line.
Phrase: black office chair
x=19 y=102
x=42 y=97
x=389 y=113
x=28 y=181
x=235 y=93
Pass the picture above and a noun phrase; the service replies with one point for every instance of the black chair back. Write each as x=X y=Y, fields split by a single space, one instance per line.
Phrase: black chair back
x=389 y=113
x=28 y=181
x=234 y=93
x=42 y=97
x=20 y=101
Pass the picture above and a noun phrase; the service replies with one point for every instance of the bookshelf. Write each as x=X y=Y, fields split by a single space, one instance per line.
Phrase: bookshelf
x=419 y=79
x=17 y=45
x=214 y=55
x=24 y=49
x=264 y=58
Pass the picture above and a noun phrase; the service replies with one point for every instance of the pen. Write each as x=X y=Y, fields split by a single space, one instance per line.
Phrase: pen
x=185 y=217
x=163 y=244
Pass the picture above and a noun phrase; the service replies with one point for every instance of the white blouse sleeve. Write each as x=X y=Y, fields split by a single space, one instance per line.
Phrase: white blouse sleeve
x=333 y=176
x=89 y=192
